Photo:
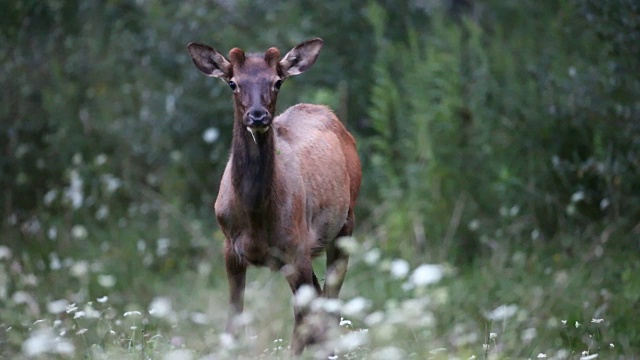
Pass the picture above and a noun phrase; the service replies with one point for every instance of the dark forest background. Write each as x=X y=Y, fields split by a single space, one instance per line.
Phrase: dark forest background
x=500 y=138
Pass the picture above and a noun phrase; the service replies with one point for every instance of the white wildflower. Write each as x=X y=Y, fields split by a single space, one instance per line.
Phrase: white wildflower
x=535 y=234
x=50 y=197
x=502 y=312
x=227 y=340
x=589 y=357
x=180 y=354
x=79 y=269
x=141 y=245
x=31 y=226
x=541 y=356
x=528 y=335
x=132 y=313
x=328 y=305
x=348 y=244
x=372 y=256
x=304 y=295
x=493 y=335
x=210 y=135
x=81 y=331
x=103 y=299
x=44 y=341
x=577 y=196
x=611 y=345
x=474 y=225
x=577 y=324
x=52 y=233
x=111 y=183
x=389 y=353
x=90 y=313
x=162 y=246
x=79 y=232
x=160 y=307
x=71 y=308
x=408 y=286
x=399 y=268
x=355 y=306
x=597 y=321
x=176 y=155
x=23 y=297
x=57 y=306
x=344 y=322
x=353 y=340
x=170 y=106
x=564 y=322
x=100 y=160
x=30 y=280
x=514 y=210
x=54 y=262
x=426 y=274
x=374 y=318
x=200 y=318
x=102 y=212
x=74 y=193
x=77 y=159
x=5 y=252
x=79 y=314
x=106 y=281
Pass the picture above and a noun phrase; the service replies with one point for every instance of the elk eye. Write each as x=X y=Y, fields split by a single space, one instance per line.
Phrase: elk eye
x=232 y=85
x=278 y=84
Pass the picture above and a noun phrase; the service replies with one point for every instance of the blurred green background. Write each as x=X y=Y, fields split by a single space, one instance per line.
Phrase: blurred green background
x=500 y=139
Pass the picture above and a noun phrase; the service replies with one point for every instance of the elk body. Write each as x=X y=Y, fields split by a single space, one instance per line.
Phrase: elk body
x=291 y=183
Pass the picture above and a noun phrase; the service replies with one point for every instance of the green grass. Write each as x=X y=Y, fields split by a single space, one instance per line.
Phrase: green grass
x=131 y=300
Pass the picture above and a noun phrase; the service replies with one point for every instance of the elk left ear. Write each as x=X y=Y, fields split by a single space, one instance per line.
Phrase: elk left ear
x=301 y=57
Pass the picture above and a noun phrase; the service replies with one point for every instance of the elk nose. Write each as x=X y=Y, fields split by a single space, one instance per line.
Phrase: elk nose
x=258 y=118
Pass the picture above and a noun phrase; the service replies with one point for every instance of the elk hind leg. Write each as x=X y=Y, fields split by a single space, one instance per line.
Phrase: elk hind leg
x=337 y=261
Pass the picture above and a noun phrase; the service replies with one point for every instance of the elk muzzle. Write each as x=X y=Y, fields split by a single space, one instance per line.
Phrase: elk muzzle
x=257 y=121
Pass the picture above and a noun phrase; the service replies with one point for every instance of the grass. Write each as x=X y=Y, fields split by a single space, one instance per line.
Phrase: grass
x=138 y=298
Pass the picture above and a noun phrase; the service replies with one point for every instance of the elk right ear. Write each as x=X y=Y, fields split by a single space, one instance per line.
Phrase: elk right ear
x=209 y=61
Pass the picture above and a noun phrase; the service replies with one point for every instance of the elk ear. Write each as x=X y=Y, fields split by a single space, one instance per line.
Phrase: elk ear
x=301 y=57
x=209 y=61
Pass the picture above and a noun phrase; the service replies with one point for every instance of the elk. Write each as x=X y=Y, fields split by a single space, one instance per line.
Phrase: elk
x=290 y=186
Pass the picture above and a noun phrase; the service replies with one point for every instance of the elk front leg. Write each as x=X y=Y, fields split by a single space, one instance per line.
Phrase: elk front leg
x=302 y=274
x=236 y=276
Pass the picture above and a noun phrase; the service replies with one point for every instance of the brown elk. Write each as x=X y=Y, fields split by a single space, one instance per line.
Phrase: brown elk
x=291 y=183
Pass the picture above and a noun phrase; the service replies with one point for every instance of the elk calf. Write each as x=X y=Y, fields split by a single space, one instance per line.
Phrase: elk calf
x=291 y=183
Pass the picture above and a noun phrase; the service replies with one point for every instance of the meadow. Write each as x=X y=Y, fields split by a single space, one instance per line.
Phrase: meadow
x=498 y=216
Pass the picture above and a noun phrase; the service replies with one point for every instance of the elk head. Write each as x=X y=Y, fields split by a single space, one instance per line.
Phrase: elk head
x=255 y=79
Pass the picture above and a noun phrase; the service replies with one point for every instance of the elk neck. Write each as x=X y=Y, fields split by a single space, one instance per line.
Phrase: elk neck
x=253 y=167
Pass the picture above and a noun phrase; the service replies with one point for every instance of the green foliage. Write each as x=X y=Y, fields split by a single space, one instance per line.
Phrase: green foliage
x=475 y=118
